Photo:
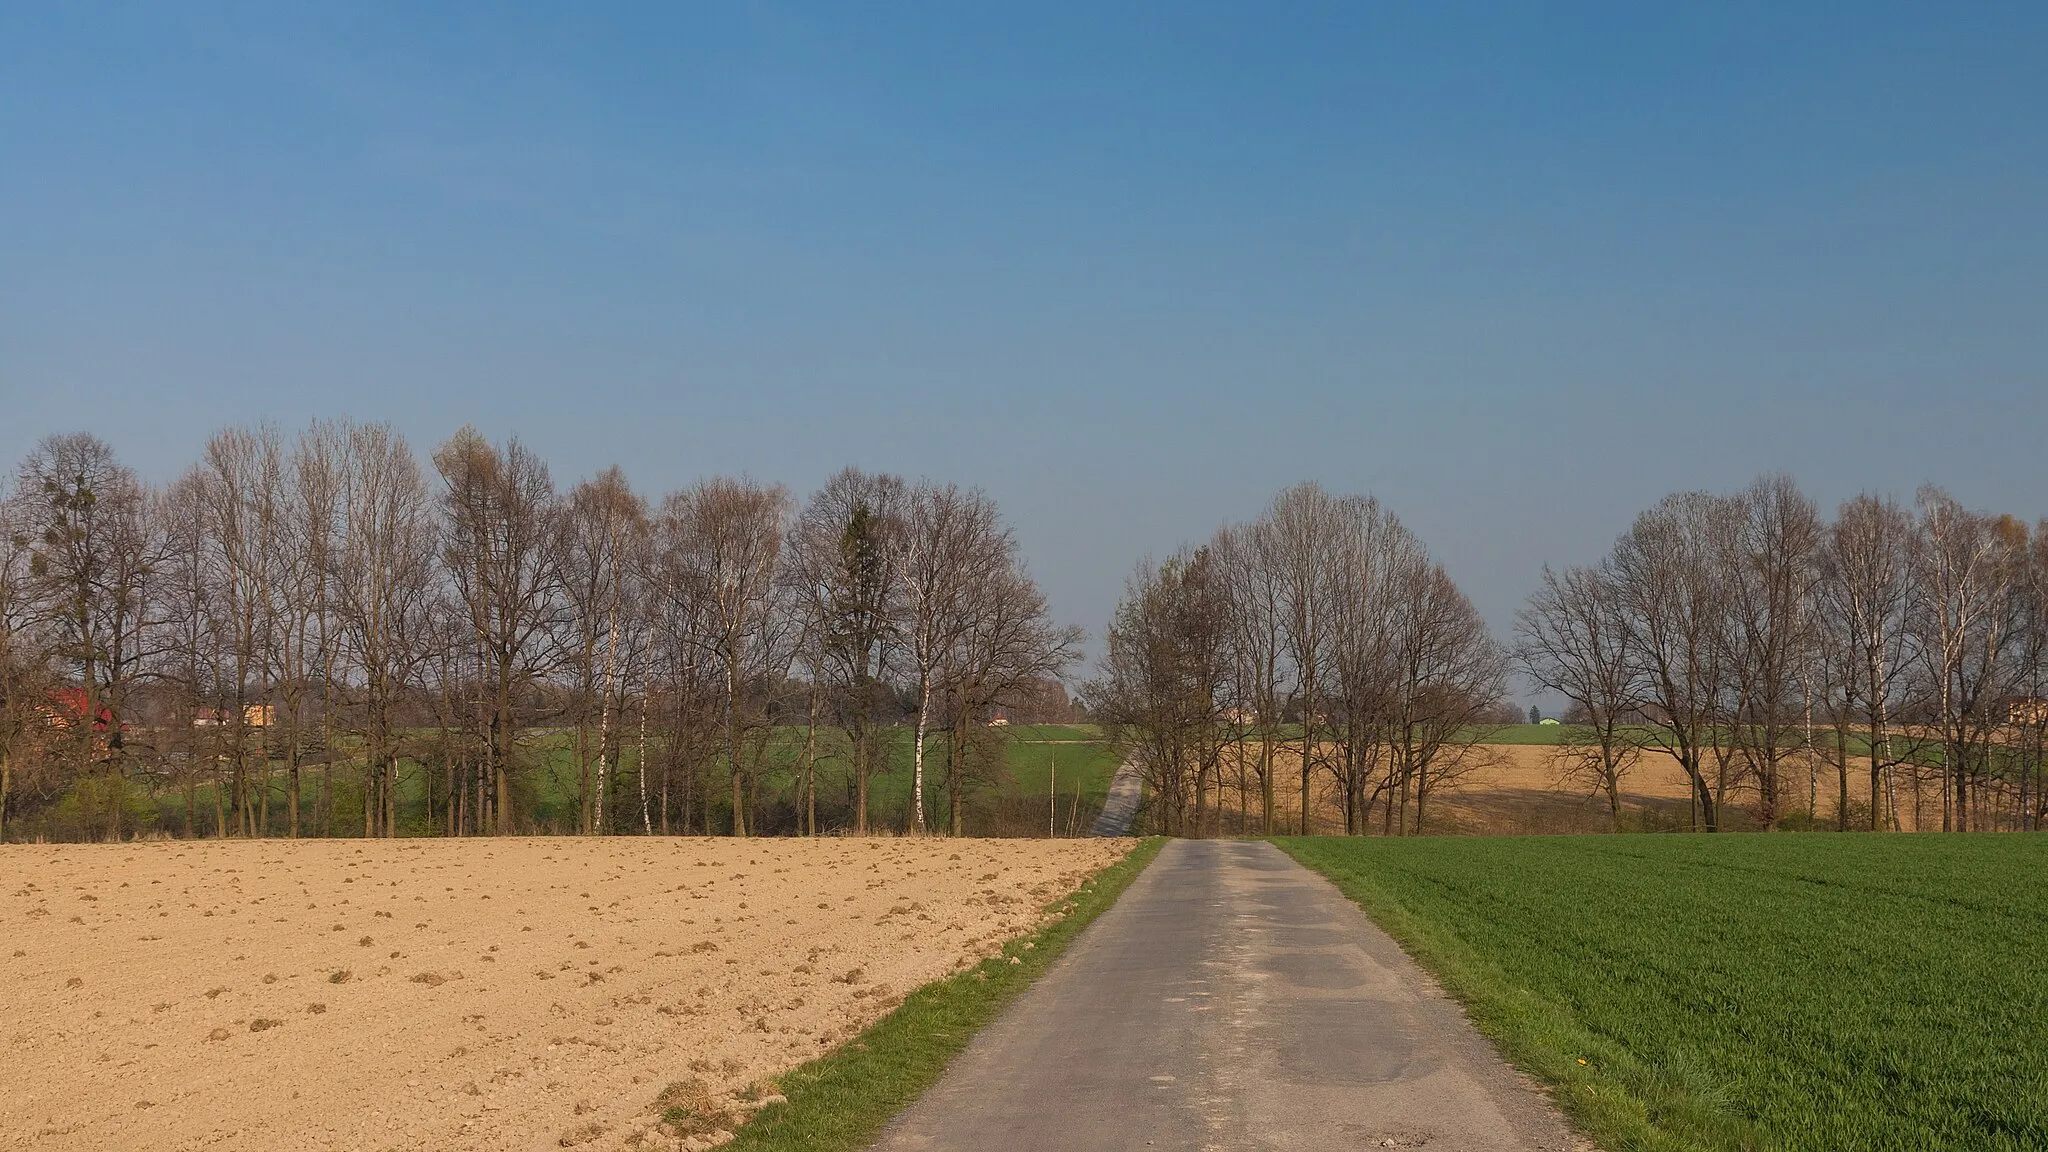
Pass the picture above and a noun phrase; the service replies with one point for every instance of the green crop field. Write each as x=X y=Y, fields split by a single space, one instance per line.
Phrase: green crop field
x=1736 y=992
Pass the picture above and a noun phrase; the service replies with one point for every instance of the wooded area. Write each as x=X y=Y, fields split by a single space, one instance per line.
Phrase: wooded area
x=1762 y=647
x=1742 y=634
x=320 y=634
x=324 y=612
x=1323 y=624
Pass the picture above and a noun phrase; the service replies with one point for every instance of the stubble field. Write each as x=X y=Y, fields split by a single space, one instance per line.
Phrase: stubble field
x=533 y=993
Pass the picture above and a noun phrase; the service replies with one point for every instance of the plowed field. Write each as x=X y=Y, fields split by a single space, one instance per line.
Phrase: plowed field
x=533 y=993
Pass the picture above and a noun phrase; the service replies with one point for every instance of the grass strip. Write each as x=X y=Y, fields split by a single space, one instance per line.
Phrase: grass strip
x=842 y=1100
x=1614 y=1097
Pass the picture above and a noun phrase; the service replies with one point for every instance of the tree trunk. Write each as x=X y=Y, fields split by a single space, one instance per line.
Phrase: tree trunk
x=811 y=765
x=1308 y=738
x=1266 y=797
x=640 y=770
x=956 y=775
x=732 y=751
x=860 y=780
x=924 y=708
x=1613 y=782
x=220 y=800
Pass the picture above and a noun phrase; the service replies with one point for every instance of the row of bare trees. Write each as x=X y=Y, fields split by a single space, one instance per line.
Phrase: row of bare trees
x=324 y=625
x=1318 y=645
x=1756 y=643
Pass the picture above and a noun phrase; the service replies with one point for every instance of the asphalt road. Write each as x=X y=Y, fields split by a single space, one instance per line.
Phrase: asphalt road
x=1230 y=1000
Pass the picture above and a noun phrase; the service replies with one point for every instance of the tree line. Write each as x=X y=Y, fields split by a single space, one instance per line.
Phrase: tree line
x=1317 y=644
x=299 y=617
x=1754 y=641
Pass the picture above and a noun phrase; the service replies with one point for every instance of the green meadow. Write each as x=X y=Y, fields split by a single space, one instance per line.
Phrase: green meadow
x=1741 y=991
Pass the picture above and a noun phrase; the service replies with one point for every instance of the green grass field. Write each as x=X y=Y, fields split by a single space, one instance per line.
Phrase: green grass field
x=1039 y=764
x=1736 y=992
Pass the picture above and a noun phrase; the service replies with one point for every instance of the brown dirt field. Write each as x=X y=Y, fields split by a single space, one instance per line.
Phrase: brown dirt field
x=478 y=994
x=1518 y=789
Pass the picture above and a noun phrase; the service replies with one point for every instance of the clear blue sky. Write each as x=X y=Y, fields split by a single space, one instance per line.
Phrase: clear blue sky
x=1518 y=270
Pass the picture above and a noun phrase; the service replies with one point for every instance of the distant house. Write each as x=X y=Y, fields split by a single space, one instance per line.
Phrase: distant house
x=1547 y=722
x=67 y=706
x=999 y=721
x=253 y=716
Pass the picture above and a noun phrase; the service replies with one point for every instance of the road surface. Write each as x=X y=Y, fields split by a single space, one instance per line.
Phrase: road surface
x=1230 y=1000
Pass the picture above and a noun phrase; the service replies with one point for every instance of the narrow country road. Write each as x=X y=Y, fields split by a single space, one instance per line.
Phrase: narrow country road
x=1230 y=1000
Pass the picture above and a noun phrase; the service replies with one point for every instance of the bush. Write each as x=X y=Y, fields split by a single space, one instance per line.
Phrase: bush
x=102 y=806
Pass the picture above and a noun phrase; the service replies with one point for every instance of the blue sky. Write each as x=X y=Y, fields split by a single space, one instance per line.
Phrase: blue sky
x=1518 y=270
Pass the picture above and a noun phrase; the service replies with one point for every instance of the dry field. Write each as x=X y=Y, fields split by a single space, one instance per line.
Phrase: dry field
x=1519 y=789
x=465 y=994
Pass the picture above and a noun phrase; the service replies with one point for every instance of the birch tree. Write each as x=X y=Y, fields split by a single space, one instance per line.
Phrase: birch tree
x=603 y=550
x=951 y=543
x=1863 y=596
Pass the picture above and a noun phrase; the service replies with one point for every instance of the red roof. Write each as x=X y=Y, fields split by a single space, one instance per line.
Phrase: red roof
x=73 y=701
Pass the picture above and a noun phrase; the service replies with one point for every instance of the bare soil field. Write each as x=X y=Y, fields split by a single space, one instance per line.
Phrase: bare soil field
x=480 y=994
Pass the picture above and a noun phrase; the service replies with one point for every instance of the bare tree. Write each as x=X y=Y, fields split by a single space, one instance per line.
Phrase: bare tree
x=190 y=667
x=91 y=551
x=1160 y=693
x=952 y=542
x=25 y=674
x=1303 y=537
x=603 y=550
x=1009 y=645
x=499 y=542
x=1670 y=594
x=844 y=549
x=1963 y=626
x=2027 y=718
x=1376 y=564
x=1865 y=590
x=1247 y=560
x=1768 y=573
x=240 y=492
x=718 y=546
x=384 y=586
x=1451 y=674
x=1572 y=639
x=312 y=655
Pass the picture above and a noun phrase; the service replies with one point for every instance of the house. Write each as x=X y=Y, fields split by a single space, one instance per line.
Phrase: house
x=67 y=705
x=253 y=716
x=2027 y=711
x=999 y=721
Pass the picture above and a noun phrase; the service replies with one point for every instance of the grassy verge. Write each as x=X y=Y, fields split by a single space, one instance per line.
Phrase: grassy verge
x=841 y=1100
x=1740 y=992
